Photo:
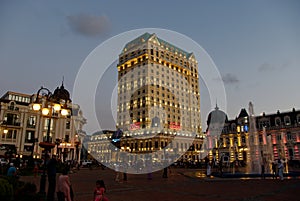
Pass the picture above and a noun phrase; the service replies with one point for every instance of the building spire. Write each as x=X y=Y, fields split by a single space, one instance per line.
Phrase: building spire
x=216 y=108
x=62 y=83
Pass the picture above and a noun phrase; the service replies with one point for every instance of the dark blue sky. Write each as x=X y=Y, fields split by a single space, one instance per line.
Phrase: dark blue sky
x=254 y=44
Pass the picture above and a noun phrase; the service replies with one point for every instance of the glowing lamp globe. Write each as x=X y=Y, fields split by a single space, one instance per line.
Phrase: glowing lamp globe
x=64 y=112
x=56 y=107
x=36 y=107
x=45 y=111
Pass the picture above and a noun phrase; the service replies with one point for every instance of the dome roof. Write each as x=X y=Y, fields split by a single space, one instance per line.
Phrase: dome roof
x=217 y=116
x=61 y=93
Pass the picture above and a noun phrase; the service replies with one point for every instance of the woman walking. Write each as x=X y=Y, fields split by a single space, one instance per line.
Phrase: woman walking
x=280 y=169
x=64 y=187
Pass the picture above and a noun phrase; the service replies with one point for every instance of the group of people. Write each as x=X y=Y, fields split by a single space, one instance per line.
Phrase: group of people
x=65 y=192
x=64 y=187
x=277 y=169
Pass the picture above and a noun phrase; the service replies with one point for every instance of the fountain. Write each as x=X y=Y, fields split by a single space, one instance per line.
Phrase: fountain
x=259 y=153
x=254 y=151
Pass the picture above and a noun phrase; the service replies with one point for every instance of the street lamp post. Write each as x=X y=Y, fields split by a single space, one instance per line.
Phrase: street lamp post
x=77 y=143
x=48 y=103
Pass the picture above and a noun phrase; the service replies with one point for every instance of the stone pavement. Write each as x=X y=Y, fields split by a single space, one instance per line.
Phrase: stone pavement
x=181 y=185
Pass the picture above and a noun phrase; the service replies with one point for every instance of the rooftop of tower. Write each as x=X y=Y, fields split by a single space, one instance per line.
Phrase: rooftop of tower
x=147 y=36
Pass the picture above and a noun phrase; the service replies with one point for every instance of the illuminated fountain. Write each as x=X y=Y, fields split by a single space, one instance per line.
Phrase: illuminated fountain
x=260 y=153
x=254 y=153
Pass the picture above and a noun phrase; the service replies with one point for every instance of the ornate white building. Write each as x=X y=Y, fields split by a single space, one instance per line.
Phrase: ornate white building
x=22 y=128
x=277 y=136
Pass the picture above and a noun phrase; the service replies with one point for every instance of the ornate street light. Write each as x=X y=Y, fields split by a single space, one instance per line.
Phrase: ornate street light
x=49 y=104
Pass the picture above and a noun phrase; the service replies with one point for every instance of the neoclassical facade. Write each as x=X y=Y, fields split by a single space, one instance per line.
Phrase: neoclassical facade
x=22 y=128
x=278 y=136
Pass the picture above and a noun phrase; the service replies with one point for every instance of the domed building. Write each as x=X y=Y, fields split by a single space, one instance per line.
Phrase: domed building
x=226 y=137
x=60 y=93
x=216 y=119
x=215 y=123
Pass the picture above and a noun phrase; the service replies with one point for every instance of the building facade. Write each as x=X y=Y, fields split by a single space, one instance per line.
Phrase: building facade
x=22 y=128
x=158 y=97
x=278 y=137
x=99 y=146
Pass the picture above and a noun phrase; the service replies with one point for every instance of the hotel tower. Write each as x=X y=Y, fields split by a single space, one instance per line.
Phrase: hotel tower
x=158 y=97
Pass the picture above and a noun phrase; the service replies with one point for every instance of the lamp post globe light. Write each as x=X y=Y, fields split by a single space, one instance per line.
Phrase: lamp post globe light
x=51 y=106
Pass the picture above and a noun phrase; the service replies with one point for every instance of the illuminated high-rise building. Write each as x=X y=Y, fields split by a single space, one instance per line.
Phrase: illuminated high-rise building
x=158 y=94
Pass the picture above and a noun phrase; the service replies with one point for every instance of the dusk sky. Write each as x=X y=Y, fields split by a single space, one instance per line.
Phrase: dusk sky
x=254 y=44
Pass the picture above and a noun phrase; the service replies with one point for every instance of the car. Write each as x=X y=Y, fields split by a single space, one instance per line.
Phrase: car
x=3 y=161
x=86 y=163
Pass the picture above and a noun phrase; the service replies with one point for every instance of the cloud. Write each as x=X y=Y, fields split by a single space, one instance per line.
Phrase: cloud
x=89 y=25
x=266 y=67
x=285 y=65
x=230 y=79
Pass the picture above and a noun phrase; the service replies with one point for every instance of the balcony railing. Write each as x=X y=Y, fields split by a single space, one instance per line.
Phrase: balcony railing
x=11 y=123
x=13 y=108
x=30 y=126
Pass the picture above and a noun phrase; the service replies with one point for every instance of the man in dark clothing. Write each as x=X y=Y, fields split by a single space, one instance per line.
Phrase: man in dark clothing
x=274 y=170
x=165 y=172
x=51 y=171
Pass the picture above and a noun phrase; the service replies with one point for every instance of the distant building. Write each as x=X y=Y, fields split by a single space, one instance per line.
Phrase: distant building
x=278 y=136
x=98 y=145
x=22 y=128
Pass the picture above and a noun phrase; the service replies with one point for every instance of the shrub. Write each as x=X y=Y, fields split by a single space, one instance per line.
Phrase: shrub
x=6 y=190
x=27 y=192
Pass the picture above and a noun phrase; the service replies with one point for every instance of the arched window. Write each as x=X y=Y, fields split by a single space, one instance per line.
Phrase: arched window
x=277 y=121
x=287 y=120
x=298 y=118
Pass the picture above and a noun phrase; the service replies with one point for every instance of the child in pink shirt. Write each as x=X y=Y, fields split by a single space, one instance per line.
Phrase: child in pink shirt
x=99 y=191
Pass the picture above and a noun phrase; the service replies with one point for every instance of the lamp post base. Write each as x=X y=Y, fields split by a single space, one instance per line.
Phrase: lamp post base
x=43 y=185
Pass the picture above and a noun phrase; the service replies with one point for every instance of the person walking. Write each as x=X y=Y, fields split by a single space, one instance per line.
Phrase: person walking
x=99 y=191
x=165 y=172
x=274 y=171
x=12 y=171
x=64 y=187
x=208 y=169
x=280 y=169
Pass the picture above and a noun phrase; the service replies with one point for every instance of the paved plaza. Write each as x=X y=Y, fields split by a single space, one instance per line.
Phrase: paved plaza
x=181 y=185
